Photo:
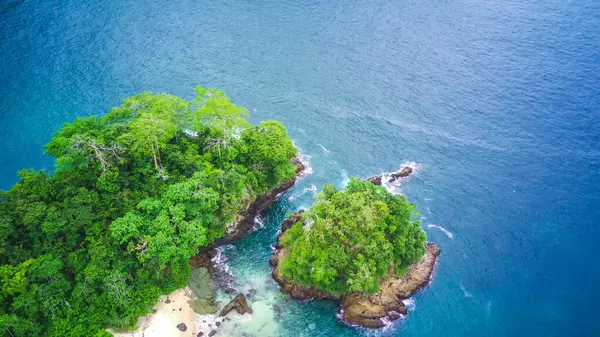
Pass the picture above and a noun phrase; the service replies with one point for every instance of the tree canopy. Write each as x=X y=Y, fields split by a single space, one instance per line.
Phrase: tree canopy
x=350 y=239
x=133 y=195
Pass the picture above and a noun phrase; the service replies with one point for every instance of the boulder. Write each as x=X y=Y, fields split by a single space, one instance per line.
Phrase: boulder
x=239 y=304
x=181 y=327
x=402 y=173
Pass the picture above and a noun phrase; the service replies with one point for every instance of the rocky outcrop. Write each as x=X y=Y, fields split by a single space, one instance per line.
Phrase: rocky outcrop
x=239 y=304
x=404 y=172
x=244 y=221
x=372 y=310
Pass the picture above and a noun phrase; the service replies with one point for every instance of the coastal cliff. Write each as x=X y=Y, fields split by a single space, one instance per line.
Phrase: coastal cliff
x=245 y=218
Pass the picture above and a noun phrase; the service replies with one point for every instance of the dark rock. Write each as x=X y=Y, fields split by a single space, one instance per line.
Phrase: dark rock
x=239 y=304
x=375 y=180
x=179 y=309
x=211 y=252
x=251 y=293
x=218 y=324
x=181 y=327
x=394 y=316
x=403 y=173
x=200 y=334
x=201 y=260
x=273 y=260
x=212 y=333
x=167 y=300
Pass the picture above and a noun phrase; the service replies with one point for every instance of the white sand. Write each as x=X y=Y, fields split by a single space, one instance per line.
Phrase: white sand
x=163 y=323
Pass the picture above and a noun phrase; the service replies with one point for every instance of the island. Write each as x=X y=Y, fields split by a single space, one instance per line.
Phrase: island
x=358 y=246
x=111 y=235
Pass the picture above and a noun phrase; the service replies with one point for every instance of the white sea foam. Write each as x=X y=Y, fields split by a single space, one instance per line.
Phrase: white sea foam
x=325 y=150
x=259 y=222
x=306 y=161
x=220 y=259
x=465 y=292
x=444 y=230
x=345 y=178
x=312 y=189
x=410 y=304
x=392 y=186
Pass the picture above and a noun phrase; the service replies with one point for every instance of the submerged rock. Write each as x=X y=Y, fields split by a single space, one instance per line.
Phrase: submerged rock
x=239 y=304
x=202 y=287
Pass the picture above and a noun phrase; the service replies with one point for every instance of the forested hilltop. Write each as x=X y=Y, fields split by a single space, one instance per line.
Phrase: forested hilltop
x=359 y=245
x=133 y=195
x=350 y=239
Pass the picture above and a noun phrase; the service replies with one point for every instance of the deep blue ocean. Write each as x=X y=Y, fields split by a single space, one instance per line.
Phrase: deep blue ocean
x=497 y=102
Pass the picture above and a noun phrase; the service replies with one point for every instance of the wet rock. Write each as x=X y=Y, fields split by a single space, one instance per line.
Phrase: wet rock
x=239 y=304
x=212 y=333
x=211 y=252
x=218 y=324
x=375 y=180
x=251 y=293
x=402 y=173
x=394 y=316
x=181 y=327
x=200 y=334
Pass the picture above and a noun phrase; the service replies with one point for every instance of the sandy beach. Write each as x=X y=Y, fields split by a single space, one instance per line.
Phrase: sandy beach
x=170 y=311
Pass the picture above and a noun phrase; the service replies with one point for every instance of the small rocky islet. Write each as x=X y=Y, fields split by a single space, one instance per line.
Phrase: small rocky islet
x=371 y=311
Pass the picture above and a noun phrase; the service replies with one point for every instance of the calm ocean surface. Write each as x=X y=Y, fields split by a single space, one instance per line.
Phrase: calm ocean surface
x=498 y=103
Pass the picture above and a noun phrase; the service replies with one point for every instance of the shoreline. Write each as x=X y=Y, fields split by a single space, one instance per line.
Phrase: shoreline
x=168 y=314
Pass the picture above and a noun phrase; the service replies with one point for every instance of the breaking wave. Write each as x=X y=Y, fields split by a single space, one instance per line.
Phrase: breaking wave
x=444 y=230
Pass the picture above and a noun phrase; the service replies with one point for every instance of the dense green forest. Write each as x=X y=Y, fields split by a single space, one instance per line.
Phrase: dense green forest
x=350 y=239
x=133 y=195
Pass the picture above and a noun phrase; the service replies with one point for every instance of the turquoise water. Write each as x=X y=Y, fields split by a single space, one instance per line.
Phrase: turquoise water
x=498 y=102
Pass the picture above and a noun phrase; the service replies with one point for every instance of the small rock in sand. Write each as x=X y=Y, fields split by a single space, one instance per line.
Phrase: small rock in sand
x=181 y=327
